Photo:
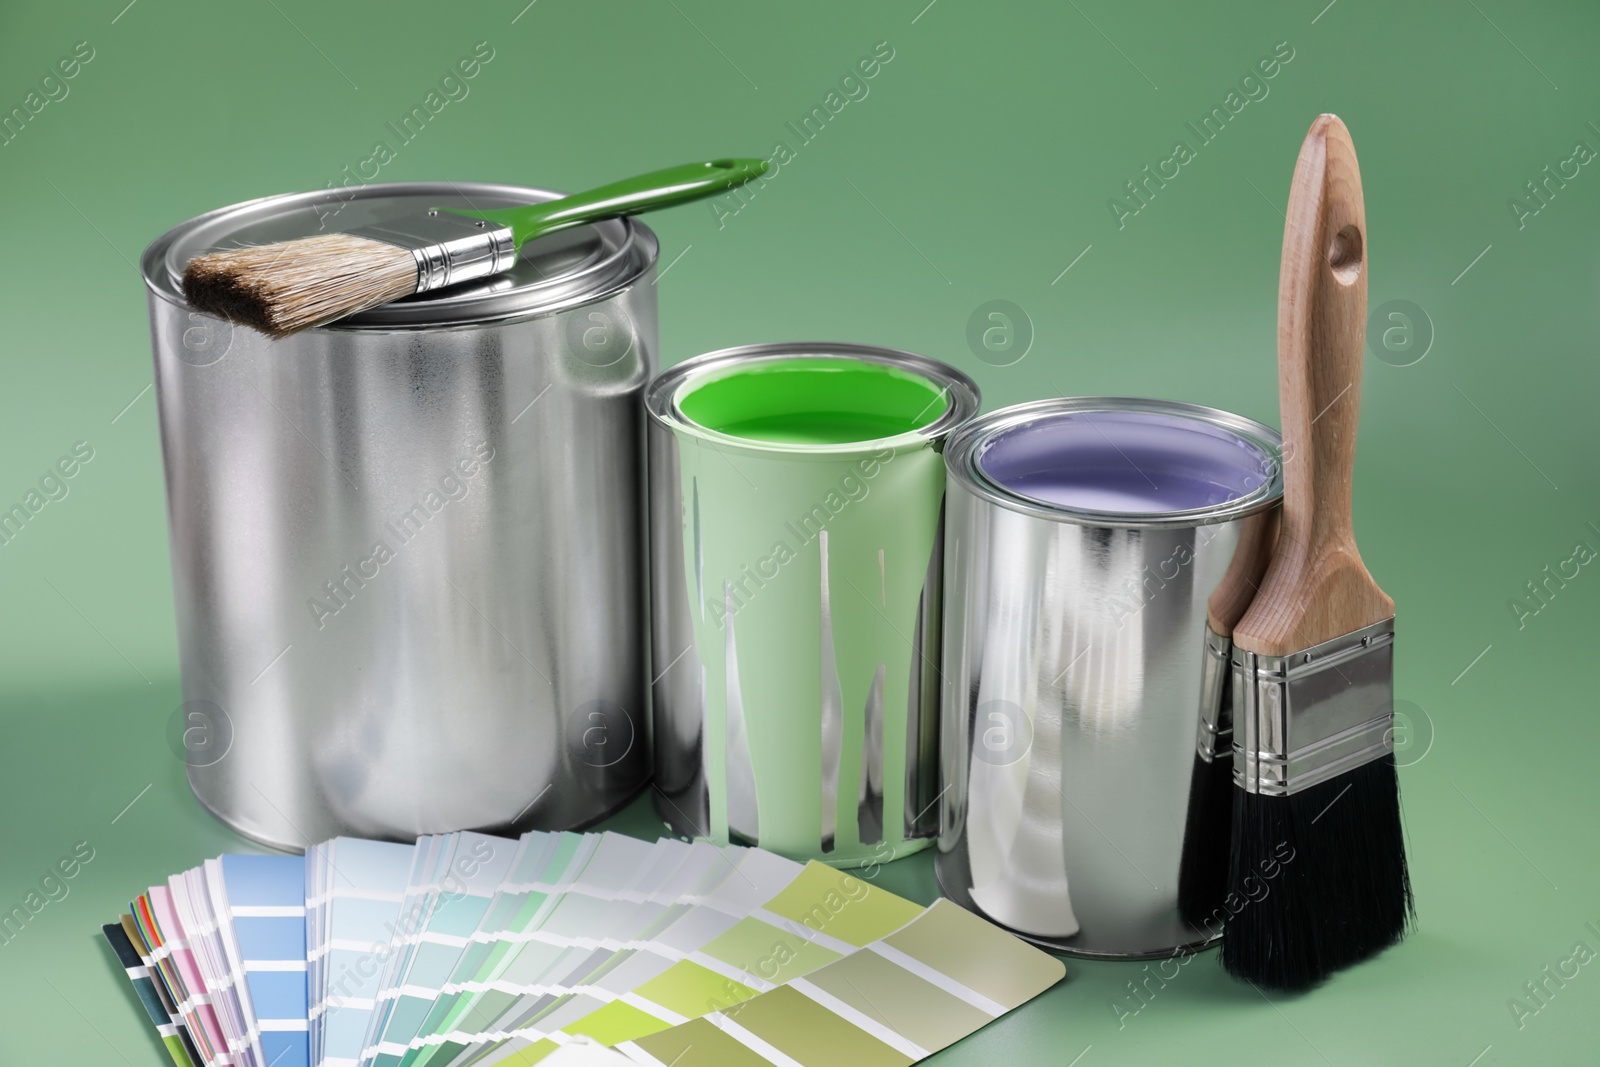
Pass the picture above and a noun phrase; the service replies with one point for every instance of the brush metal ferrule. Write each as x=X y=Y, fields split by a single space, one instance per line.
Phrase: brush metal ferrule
x=1302 y=719
x=449 y=248
x=1215 y=733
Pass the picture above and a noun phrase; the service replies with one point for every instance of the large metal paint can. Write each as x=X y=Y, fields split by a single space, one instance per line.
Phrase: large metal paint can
x=795 y=597
x=408 y=549
x=1083 y=539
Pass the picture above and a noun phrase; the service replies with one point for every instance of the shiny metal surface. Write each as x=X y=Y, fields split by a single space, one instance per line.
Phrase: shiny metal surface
x=868 y=787
x=1312 y=716
x=449 y=249
x=409 y=563
x=1214 y=736
x=555 y=272
x=1074 y=654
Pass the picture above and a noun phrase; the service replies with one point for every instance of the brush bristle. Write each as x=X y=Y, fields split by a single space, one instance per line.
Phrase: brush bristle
x=286 y=287
x=1203 y=865
x=1207 y=829
x=1327 y=881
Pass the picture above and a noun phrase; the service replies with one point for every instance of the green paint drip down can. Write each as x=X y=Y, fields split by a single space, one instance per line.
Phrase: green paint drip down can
x=796 y=494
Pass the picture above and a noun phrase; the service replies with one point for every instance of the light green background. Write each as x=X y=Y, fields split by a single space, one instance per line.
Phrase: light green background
x=977 y=168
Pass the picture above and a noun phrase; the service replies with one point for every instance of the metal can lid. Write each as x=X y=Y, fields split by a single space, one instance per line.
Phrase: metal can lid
x=561 y=270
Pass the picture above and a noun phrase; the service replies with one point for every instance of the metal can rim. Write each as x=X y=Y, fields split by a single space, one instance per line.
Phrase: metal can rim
x=961 y=462
x=661 y=395
x=633 y=257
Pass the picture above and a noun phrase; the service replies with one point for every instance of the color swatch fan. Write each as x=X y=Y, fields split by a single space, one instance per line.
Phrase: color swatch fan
x=466 y=950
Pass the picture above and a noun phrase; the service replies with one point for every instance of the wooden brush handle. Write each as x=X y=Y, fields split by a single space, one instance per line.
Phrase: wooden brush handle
x=1228 y=601
x=1316 y=587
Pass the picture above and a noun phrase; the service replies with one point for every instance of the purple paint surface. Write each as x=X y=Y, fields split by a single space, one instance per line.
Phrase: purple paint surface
x=1124 y=462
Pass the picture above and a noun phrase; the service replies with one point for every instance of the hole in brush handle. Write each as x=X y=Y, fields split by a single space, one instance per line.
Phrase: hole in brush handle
x=1346 y=253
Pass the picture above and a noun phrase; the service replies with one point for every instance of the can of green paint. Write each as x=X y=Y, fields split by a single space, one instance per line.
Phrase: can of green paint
x=796 y=494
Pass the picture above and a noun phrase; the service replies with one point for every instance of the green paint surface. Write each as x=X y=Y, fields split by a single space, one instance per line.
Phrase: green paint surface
x=804 y=400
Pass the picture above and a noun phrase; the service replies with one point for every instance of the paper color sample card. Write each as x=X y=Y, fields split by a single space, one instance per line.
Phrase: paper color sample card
x=816 y=916
x=177 y=967
x=476 y=866
x=466 y=950
x=173 y=1036
x=909 y=994
x=159 y=985
x=599 y=906
x=569 y=990
x=202 y=915
x=579 y=919
x=518 y=899
x=475 y=994
x=584 y=990
x=358 y=913
x=266 y=914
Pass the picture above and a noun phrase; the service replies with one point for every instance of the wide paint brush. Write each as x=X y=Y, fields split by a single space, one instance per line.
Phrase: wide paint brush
x=1318 y=850
x=288 y=286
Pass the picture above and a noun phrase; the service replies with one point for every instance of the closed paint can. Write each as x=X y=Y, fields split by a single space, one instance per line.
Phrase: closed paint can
x=796 y=494
x=1084 y=537
x=408 y=549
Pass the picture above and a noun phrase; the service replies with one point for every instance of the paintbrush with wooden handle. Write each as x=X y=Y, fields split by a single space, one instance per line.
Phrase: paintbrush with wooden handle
x=1316 y=798
x=288 y=286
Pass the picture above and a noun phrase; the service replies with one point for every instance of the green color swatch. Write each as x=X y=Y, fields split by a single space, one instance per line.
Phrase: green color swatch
x=1006 y=971
x=699 y=1043
x=911 y=1007
x=842 y=905
x=804 y=1030
x=767 y=952
x=692 y=990
x=617 y=1021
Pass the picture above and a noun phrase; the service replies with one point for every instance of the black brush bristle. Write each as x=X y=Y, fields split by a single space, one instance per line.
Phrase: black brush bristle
x=1207 y=840
x=1319 y=879
x=1208 y=826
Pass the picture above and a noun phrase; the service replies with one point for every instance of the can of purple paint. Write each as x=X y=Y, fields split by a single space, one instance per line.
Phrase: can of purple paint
x=1083 y=537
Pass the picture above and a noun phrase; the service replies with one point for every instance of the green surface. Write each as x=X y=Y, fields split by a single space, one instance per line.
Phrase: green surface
x=974 y=166
x=842 y=905
x=775 y=529
x=813 y=401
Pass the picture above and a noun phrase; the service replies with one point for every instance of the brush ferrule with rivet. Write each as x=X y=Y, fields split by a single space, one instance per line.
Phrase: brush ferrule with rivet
x=448 y=248
x=1305 y=718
